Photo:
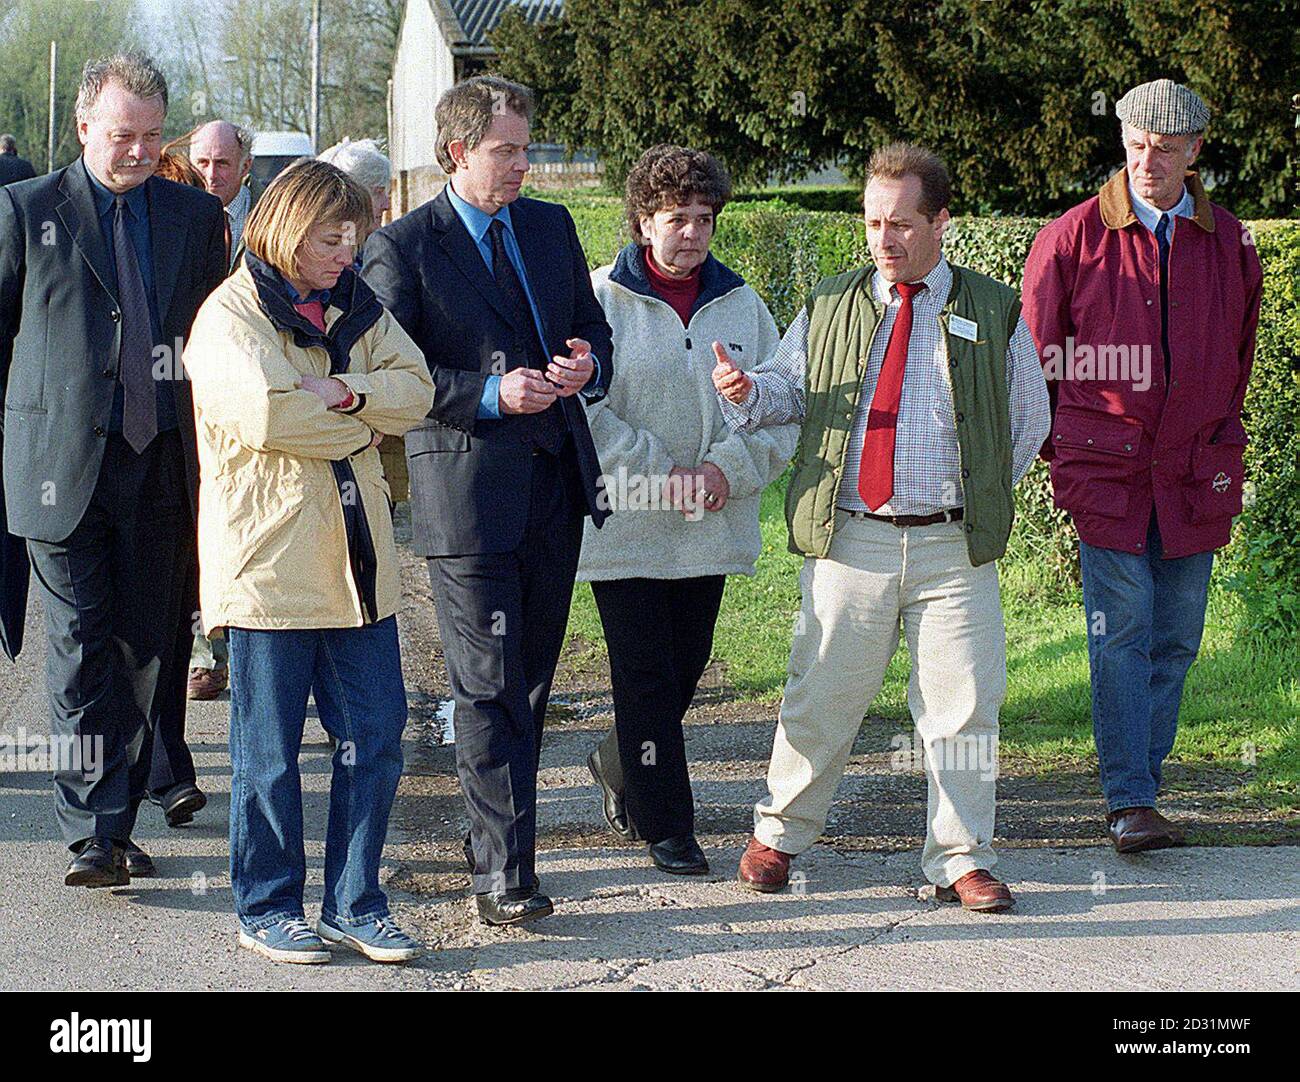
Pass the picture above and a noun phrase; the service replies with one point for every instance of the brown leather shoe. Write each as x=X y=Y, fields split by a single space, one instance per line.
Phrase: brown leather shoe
x=1135 y=830
x=977 y=891
x=205 y=684
x=1172 y=829
x=763 y=869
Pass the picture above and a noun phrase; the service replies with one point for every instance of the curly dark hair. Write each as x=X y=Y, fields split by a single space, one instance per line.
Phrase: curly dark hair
x=673 y=176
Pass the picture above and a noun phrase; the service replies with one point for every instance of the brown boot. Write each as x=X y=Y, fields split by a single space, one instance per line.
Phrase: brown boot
x=977 y=891
x=205 y=684
x=763 y=869
x=1135 y=830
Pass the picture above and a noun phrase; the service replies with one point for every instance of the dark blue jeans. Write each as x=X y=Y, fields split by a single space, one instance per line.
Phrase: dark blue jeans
x=1145 y=618
x=356 y=673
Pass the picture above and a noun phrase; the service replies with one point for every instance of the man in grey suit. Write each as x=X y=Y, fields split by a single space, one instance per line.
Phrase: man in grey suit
x=102 y=269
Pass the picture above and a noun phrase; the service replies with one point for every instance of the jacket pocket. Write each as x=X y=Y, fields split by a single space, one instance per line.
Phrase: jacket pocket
x=1214 y=491
x=1096 y=456
x=423 y=441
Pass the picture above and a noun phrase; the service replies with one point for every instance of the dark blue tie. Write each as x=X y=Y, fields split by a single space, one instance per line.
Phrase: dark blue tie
x=135 y=353
x=512 y=289
x=1162 y=242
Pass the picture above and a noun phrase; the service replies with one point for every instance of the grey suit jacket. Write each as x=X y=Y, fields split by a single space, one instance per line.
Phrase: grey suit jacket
x=60 y=331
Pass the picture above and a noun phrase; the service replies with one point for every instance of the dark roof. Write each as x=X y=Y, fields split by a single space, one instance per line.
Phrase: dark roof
x=477 y=19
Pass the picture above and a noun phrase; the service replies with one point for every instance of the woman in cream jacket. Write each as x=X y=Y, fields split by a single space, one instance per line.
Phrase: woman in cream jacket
x=297 y=373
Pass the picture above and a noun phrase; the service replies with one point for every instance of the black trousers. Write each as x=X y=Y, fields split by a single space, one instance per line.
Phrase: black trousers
x=113 y=591
x=502 y=618
x=172 y=762
x=659 y=633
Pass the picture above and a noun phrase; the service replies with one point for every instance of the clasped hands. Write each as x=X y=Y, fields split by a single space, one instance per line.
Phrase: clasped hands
x=333 y=392
x=687 y=490
x=526 y=390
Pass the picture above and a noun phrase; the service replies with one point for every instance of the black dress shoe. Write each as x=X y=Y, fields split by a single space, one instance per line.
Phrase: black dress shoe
x=139 y=865
x=513 y=906
x=99 y=863
x=679 y=856
x=612 y=803
x=180 y=802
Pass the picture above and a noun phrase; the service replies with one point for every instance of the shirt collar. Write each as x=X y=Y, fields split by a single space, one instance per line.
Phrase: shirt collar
x=135 y=198
x=322 y=295
x=475 y=220
x=239 y=205
x=938 y=284
x=1149 y=214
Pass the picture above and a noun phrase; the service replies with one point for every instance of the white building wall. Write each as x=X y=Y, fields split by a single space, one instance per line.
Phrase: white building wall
x=422 y=70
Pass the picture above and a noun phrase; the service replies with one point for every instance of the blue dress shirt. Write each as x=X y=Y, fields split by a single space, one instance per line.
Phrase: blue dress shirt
x=477 y=222
x=137 y=227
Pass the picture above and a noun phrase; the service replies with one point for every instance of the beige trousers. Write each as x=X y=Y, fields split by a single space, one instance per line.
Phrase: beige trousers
x=853 y=600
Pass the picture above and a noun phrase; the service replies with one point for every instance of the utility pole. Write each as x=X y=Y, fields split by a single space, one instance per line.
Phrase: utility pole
x=49 y=138
x=315 y=75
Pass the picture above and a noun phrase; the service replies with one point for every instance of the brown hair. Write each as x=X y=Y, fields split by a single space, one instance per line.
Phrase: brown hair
x=307 y=193
x=464 y=113
x=898 y=160
x=673 y=176
x=175 y=166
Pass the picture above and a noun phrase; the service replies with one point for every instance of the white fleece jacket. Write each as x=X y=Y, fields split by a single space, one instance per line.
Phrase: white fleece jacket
x=662 y=411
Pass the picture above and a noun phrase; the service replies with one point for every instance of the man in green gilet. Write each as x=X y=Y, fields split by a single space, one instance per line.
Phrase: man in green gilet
x=922 y=402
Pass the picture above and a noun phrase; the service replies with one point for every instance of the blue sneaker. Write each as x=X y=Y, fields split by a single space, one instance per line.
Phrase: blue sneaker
x=291 y=941
x=380 y=940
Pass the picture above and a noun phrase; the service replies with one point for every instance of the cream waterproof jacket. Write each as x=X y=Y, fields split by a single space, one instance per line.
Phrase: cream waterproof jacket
x=273 y=544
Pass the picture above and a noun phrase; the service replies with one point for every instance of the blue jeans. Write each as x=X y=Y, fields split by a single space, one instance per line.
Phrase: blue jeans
x=356 y=673
x=1145 y=618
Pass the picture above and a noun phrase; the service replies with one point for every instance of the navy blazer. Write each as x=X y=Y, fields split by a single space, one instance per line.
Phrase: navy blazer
x=470 y=477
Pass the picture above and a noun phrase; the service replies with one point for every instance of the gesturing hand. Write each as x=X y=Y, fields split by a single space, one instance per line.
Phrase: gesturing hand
x=730 y=382
x=525 y=390
x=570 y=374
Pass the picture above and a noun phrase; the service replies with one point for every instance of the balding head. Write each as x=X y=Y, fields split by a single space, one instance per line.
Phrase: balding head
x=222 y=153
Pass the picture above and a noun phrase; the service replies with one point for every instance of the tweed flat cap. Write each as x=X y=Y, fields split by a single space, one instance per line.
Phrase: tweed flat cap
x=1164 y=107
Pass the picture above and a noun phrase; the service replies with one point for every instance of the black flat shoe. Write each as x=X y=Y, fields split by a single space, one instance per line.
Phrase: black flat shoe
x=501 y=907
x=612 y=803
x=139 y=865
x=180 y=802
x=679 y=856
x=99 y=863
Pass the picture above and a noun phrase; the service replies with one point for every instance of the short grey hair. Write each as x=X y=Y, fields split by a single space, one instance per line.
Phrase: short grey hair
x=136 y=72
x=464 y=113
x=362 y=160
x=8 y=144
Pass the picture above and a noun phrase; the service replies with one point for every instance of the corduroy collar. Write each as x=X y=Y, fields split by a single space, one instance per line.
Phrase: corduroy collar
x=1117 y=208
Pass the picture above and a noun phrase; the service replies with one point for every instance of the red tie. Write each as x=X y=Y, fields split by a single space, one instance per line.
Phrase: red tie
x=876 y=471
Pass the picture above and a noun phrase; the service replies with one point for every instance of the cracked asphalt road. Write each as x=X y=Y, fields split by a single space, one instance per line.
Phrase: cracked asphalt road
x=1195 y=918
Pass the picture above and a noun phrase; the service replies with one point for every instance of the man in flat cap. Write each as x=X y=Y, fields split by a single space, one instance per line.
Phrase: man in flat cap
x=1143 y=302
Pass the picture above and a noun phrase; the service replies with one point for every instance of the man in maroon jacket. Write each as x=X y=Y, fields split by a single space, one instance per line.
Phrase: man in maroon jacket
x=1143 y=302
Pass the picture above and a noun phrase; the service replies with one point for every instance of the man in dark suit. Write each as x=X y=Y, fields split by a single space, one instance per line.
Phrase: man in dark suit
x=495 y=290
x=12 y=167
x=102 y=269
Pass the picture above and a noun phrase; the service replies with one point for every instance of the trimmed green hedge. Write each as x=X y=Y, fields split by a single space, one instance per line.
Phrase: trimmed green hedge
x=783 y=251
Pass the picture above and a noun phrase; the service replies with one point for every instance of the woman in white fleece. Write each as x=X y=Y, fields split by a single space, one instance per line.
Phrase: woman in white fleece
x=684 y=488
